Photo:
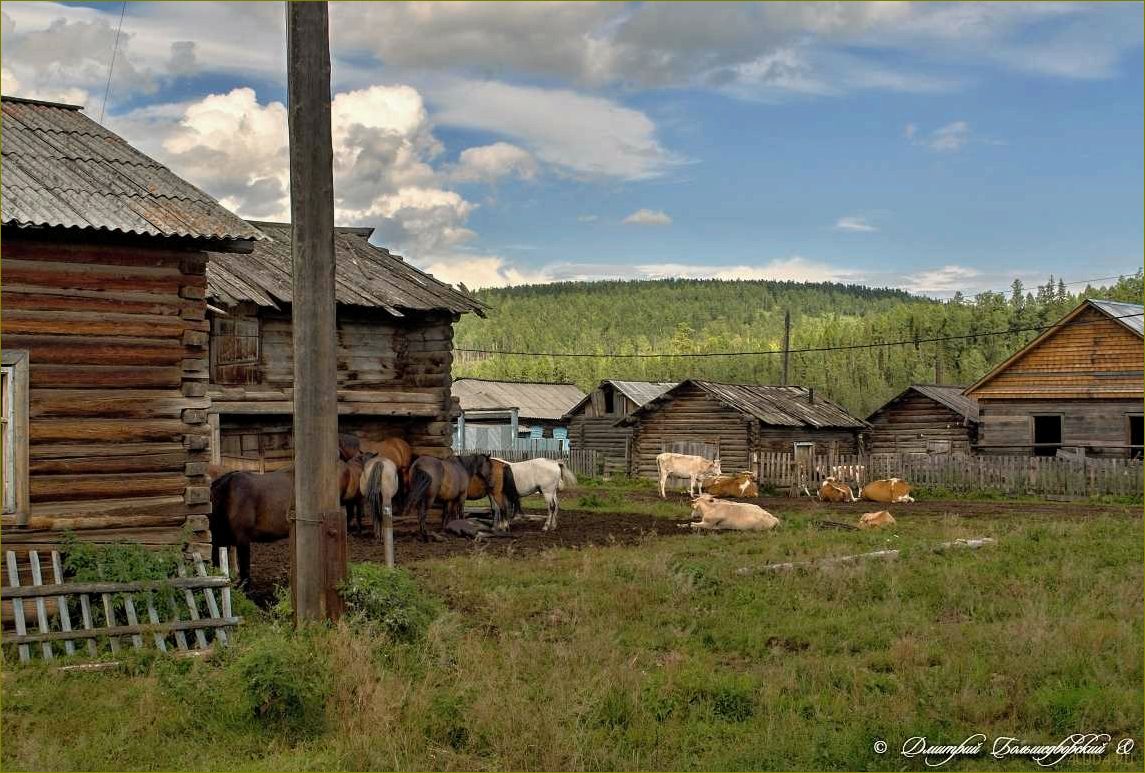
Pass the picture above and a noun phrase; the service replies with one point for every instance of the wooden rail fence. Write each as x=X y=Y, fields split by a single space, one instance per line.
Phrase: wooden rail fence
x=1014 y=475
x=46 y=617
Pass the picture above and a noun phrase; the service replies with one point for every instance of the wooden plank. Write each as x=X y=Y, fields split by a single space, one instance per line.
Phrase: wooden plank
x=96 y=376
x=209 y=595
x=17 y=604
x=110 y=622
x=153 y=617
x=85 y=612
x=54 y=488
x=135 y=631
x=132 y=620
x=193 y=609
x=65 y=617
x=110 y=431
x=139 y=586
x=41 y=608
x=224 y=564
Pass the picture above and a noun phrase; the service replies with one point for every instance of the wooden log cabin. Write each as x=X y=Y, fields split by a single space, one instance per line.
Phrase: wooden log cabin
x=737 y=422
x=925 y=419
x=104 y=335
x=1078 y=385
x=395 y=345
x=592 y=422
x=539 y=407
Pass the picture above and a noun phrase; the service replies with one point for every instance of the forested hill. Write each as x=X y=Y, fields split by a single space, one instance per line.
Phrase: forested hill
x=688 y=316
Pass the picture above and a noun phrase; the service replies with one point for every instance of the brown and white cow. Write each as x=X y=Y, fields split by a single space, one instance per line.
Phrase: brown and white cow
x=876 y=520
x=742 y=484
x=832 y=490
x=694 y=468
x=887 y=491
x=716 y=514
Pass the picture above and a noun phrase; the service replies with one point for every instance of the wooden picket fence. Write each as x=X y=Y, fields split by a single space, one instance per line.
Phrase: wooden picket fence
x=960 y=473
x=64 y=617
x=581 y=461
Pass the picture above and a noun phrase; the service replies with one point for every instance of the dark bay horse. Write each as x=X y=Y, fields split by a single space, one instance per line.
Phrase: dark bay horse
x=250 y=507
x=446 y=481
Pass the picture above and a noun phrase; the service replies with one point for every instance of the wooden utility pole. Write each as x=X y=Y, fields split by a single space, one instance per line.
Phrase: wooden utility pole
x=318 y=529
x=786 y=343
x=938 y=362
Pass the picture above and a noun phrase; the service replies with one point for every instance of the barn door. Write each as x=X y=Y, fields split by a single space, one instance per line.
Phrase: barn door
x=234 y=350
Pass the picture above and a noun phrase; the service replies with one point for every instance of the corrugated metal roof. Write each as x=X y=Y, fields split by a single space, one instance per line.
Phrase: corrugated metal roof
x=532 y=400
x=950 y=396
x=640 y=392
x=364 y=275
x=1124 y=313
x=783 y=406
x=62 y=169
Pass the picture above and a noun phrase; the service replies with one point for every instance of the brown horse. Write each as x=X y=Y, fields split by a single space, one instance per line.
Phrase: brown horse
x=500 y=490
x=349 y=487
x=446 y=481
x=250 y=507
x=395 y=449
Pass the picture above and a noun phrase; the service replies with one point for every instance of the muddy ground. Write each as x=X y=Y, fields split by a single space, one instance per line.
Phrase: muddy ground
x=581 y=528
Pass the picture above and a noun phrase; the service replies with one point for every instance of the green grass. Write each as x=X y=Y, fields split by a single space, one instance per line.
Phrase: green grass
x=658 y=656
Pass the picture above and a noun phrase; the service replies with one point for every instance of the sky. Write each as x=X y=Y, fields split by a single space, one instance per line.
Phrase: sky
x=932 y=147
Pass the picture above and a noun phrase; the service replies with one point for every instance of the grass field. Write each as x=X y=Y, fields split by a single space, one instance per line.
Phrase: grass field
x=655 y=655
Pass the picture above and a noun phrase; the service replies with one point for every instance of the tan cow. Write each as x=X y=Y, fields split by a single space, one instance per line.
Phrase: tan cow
x=887 y=491
x=742 y=484
x=876 y=520
x=694 y=468
x=716 y=514
x=833 y=491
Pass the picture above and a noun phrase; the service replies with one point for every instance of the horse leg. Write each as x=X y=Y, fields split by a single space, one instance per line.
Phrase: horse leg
x=663 y=480
x=549 y=505
x=243 y=550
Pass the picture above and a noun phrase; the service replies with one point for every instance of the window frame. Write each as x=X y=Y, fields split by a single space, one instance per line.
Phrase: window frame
x=1035 y=446
x=15 y=362
x=1134 y=452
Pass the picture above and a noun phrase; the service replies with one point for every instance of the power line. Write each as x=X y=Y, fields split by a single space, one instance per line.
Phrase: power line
x=111 y=64
x=847 y=347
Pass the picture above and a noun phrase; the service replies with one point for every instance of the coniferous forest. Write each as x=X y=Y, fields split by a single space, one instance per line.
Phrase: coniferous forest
x=682 y=316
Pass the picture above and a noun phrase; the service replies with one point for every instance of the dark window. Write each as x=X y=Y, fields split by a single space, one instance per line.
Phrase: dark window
x=609 y=400
x=1047 y=435
x=1136 y=437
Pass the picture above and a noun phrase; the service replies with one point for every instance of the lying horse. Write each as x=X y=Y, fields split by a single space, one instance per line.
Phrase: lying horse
x=250 y=507
x=445 y=481
x=501 y=492
x=544 y=476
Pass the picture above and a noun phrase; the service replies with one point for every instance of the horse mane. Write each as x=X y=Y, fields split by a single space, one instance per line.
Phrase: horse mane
x=472 y=462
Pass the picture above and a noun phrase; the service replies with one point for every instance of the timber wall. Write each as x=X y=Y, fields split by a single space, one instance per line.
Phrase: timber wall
x=1101 y=426
x=116 y=337
x=914 y=423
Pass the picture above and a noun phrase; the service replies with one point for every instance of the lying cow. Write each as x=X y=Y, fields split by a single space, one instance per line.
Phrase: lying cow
x=716 y=514
x=832 y=490
x=876 y=520
x=694 y=468
x=741 y=484
x=887 y=491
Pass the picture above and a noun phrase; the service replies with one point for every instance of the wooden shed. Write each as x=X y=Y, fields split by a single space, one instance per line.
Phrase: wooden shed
x=592 y=422
x=1078 y=385
x=395 y=348
x=539 y=407
x=925 y=419
x=738 y=421
x=105 y=334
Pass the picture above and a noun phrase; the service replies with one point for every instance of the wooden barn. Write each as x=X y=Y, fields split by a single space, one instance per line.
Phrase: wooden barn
x=738 y=421
x=104 y=329
x=592 y=422
x=925 y=419
x=395 y=348
x=537 y=408
x=1078 y=385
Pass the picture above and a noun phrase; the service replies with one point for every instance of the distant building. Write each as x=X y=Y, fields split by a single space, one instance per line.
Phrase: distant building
x=494 y=414
x=924 y=419
x=737 y=422
x=1078 y=385
x=592 y=422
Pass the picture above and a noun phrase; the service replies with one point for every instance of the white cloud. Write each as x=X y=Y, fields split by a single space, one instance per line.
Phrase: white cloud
x=580 y=134
x=854 y=223
x=793 y=269
x=489 y=163
x=648 y=217
x=946 y=279
x=477 y=271
x=945 y=139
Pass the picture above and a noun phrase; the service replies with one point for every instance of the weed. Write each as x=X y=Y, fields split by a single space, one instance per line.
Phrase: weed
x=389 y=599
x=286 y=683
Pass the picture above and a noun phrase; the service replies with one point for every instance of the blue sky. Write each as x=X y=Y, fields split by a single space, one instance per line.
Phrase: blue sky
x=928 y=146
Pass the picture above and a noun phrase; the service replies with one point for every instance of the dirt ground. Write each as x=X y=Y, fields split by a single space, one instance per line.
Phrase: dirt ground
x=270 y=563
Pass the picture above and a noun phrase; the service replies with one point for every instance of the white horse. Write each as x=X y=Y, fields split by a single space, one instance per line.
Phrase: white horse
x=544 y=476
x=378 y=485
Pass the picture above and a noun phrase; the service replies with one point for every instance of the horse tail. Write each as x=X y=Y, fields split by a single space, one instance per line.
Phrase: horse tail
x=373 y=490
x=420 y=482
x=220 y=517
x=568 y=477
x=509 y=491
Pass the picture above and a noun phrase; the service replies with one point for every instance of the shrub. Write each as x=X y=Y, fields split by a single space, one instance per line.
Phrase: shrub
x=286 y=684
x=390 y=599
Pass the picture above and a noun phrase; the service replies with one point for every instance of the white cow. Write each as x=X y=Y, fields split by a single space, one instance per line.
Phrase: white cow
x=718 y=514
x=694 y=468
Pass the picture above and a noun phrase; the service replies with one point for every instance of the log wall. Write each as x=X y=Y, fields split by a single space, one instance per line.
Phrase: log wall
x=1101 y=426
x=393 y=378
x=116 y=336
x=601 y=434
x=915 y=423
